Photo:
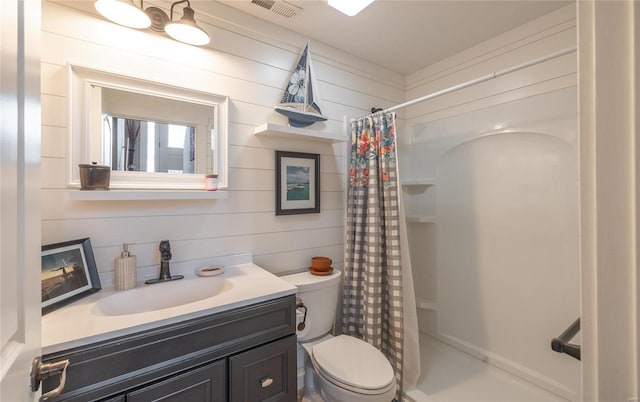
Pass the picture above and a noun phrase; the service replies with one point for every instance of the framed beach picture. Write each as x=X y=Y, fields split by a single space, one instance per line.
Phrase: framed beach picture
x=68 y=273
x=297 y=183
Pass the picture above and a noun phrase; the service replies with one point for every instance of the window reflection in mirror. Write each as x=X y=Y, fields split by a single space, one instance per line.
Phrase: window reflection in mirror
x=134 y=139
x=149 y=146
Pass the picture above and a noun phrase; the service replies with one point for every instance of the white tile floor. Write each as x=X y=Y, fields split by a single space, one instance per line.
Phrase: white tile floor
x=449 y=375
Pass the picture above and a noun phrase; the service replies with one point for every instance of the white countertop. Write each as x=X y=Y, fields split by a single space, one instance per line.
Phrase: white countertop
x=79 y=324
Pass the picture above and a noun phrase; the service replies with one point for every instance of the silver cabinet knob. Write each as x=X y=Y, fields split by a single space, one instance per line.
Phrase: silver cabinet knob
x=266 y=381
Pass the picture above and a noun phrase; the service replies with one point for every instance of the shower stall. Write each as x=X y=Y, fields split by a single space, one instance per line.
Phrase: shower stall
x=492 y=206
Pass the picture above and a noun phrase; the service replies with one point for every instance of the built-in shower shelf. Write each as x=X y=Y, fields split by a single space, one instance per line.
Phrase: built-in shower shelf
x=424 y=304
x=274 y=130
x=421 y=218
x=419 y=182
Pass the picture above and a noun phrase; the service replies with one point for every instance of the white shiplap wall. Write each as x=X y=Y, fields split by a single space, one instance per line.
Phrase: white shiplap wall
x=248 y=60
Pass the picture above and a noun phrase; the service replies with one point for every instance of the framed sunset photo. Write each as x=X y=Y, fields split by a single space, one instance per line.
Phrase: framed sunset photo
x=68 y=272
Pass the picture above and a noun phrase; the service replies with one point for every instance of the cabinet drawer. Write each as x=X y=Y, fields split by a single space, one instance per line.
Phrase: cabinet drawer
x=266 y=373
x=205 y=384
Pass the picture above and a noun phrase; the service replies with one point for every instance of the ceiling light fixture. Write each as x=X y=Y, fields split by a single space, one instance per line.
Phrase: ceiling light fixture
x=186 y=30
x=349 y=7
x=123 y=12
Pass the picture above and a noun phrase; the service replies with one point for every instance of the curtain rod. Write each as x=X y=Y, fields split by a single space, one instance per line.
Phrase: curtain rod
x=474 y=81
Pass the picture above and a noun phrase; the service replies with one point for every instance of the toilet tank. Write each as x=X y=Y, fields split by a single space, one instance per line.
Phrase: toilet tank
x=320 y=295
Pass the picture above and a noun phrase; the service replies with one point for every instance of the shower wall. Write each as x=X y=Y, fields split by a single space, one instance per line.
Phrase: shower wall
x=499 y=262
x=491 y=194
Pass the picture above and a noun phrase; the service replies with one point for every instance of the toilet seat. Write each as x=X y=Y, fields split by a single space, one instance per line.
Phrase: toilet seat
x=353 y=365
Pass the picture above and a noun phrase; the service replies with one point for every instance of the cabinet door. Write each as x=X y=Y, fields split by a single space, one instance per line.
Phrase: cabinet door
x=266 y=373
x=204 y=384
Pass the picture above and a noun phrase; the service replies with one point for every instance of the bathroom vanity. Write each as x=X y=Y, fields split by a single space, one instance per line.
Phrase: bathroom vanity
x=238 y=345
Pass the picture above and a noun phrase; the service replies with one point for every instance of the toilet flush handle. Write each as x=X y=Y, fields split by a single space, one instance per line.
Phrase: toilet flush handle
x=300 y=305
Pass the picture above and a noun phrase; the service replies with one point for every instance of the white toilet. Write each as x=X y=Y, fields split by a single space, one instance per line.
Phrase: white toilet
x=341 y=368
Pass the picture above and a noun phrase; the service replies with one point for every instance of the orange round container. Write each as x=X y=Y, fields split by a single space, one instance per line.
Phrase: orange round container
x=321 y=263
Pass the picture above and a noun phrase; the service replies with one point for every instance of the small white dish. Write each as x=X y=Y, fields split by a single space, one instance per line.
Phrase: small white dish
x=211 y=270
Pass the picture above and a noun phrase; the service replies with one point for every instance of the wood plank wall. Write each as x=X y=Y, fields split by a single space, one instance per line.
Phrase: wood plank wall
x=248 y=60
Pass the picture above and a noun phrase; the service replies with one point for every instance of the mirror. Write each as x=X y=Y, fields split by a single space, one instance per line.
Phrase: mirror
x=153 y=136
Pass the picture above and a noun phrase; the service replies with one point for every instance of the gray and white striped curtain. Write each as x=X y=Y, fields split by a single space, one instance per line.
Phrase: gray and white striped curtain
x=373 y=305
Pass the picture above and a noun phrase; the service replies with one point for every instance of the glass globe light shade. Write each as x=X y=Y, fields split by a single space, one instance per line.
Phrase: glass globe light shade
x=123 y=12
x=186 y=30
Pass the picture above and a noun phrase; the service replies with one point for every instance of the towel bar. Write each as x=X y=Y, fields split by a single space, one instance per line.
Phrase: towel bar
x=561 y=344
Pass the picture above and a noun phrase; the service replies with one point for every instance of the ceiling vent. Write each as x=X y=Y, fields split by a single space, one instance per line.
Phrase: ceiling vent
x=282 y=8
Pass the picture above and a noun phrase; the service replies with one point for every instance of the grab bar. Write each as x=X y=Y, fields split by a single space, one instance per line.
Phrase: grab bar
x=561 y=344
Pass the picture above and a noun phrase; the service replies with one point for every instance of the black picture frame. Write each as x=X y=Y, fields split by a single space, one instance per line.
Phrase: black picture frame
x=297 y=183
x=68 y=273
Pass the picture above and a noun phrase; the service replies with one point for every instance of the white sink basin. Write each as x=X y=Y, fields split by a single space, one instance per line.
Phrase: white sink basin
x=108 y=314
x=161 y=296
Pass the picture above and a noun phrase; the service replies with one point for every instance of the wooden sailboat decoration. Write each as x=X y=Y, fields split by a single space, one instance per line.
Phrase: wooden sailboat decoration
x=300 y=102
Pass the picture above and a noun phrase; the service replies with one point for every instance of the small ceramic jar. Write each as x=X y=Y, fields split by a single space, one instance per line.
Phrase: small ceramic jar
x=211 y=182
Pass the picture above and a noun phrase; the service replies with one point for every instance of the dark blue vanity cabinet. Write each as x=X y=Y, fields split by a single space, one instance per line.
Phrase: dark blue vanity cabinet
x=245 y=354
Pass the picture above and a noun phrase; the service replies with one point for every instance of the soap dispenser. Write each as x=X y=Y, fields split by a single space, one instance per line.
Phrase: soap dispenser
x=125 y=272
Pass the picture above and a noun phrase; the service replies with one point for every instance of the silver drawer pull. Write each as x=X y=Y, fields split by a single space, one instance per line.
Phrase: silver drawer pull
x=266 y=381
x=40 y=371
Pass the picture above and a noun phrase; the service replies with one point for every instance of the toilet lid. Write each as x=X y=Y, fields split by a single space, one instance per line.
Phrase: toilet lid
x=353 y=362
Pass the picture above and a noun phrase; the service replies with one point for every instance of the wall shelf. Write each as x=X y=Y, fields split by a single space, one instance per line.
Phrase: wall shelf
x=421 y=218
x=419 y=182
x=145 y=195
x=424 y=304
x=274 y=130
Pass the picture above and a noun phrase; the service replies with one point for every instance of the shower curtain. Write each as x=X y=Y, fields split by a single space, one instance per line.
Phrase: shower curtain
x=379 y=300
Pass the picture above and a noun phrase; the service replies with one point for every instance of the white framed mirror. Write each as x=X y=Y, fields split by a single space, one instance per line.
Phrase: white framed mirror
x=152 y=135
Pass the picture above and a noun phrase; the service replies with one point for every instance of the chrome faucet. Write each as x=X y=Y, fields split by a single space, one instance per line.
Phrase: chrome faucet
x=165 y=257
